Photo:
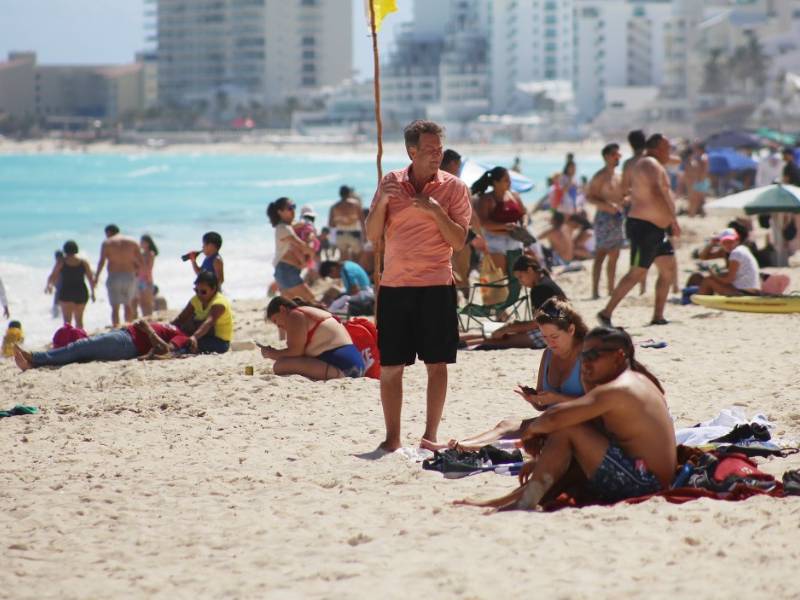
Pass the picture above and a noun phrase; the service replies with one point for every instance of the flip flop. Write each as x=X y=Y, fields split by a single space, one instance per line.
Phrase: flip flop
x=653 y=344
x=661 y=321
x=604 y=320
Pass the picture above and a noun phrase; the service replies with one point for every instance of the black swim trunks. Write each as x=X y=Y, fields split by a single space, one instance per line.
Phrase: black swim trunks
x=619 y=477
x=417 y=321
x=648 y=242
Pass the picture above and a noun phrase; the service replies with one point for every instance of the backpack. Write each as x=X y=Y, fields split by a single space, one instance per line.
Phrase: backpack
x=365 y=337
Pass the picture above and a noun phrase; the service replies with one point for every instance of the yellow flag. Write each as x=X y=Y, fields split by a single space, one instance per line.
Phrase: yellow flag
x=382 y=8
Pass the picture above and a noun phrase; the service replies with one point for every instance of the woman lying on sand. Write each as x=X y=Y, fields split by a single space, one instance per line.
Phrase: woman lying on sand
x=317 y=345
x=140 y=339
x=559 y=374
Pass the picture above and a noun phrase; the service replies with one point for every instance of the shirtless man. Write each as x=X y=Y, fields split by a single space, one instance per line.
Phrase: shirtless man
x=652 y=213
x=124 y=260
x=605 y=192
x=697 y=182
x=346 y=219
x=637 y=141
x=632 y=453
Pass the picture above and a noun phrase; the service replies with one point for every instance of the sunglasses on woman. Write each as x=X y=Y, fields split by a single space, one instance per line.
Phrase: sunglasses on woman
x=549 y=309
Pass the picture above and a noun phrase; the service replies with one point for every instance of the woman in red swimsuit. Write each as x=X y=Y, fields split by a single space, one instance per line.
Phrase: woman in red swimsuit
x=500 y=211
x=317 y=345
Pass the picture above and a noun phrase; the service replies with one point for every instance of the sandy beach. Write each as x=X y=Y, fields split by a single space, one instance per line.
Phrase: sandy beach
x=187 y=478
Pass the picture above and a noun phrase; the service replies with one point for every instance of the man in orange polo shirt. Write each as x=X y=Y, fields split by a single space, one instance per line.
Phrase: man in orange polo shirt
x=423 y=213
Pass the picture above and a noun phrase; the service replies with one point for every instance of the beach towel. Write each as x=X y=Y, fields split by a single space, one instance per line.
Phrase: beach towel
x=728 y=476
x=721 y=425
x=19 y=409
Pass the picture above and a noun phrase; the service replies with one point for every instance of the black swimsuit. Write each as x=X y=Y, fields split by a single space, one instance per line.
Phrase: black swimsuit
x=73 y=287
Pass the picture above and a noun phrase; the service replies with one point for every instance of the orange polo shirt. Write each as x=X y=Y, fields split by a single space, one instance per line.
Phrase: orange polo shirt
x=416 y=253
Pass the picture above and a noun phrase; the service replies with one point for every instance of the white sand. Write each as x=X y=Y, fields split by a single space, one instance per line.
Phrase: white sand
x=186 y=479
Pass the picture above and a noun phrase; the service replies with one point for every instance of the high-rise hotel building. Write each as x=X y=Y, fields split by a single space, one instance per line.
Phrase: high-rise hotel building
x=263 y=51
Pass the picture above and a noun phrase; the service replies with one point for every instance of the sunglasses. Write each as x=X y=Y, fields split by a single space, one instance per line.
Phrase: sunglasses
x=594 y=353
x=290 y=207
x=201 y=291
x=550 y=309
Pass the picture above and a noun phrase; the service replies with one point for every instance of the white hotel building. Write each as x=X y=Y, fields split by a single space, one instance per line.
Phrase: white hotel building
x=530 y=40
x=263 y=51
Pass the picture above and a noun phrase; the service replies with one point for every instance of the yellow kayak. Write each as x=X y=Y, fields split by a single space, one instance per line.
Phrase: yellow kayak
x=758 y=304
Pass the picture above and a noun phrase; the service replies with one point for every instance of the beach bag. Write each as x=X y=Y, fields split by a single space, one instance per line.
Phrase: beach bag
x=775 y=285
x=365 y=337
x=491 y=273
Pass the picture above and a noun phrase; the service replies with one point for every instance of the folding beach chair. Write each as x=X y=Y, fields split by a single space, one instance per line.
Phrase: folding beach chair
x=516 y=306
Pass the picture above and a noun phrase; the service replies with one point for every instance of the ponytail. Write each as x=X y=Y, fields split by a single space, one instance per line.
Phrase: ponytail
x=487 y=179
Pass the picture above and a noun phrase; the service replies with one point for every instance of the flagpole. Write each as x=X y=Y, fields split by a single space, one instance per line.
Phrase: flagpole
x=378 y=247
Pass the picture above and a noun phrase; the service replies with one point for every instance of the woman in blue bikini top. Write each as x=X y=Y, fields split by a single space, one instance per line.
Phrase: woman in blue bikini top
x=560 y=369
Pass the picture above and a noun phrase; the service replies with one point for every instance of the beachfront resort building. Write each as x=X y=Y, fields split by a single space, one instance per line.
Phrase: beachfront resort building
x=223 y=53
x=438 y=66
x=69 y=93
x=618 y=43
x=529 y=40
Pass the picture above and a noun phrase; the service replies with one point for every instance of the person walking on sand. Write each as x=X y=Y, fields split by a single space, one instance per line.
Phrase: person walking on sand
x=605 y=192
x=67 y=279
x=4 y=300
x=424 y=214
x=124 y=261
x=648 y=226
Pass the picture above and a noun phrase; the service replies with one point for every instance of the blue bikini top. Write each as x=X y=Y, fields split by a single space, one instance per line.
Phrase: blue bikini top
x=572 y=386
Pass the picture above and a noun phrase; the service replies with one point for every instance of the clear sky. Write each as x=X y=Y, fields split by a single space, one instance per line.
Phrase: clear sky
x=111 y=31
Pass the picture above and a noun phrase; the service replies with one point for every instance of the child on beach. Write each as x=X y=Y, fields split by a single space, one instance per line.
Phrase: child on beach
x=13 y=336
x=212 y=242
x=145 y=275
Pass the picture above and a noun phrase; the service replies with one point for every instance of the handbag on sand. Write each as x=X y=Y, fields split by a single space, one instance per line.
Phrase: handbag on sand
x=491 y=273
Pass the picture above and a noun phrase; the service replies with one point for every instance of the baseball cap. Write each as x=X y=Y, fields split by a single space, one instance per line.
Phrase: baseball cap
x=728 y=235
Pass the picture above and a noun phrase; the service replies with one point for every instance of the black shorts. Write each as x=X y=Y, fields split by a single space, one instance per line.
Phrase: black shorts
x=648 y=242
x=417 y=321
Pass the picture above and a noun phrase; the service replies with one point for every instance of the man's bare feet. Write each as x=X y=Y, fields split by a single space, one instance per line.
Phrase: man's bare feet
x=22 y=358
x=388 y=446
x=429 y=445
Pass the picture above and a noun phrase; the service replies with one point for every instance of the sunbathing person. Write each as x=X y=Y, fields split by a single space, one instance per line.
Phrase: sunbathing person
x=559 y=376
x=317 y=345
x=138 y=339
x=523 y=334
x=629 y=453
x=208 y=316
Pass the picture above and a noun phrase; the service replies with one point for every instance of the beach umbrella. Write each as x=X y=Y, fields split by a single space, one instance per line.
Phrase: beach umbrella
x=722 y=161
x=784 y=139
x=732 y=139
x=471 y=171
x=775 y=198
x=739 y=200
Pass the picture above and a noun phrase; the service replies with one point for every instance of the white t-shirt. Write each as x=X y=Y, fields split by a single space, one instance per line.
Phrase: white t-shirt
x=283 y=233
x=747 y=274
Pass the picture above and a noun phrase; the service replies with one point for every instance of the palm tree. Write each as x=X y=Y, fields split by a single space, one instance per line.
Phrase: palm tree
x=716 y=73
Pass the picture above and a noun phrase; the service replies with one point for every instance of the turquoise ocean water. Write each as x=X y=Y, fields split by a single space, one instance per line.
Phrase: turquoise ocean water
x=48 y=199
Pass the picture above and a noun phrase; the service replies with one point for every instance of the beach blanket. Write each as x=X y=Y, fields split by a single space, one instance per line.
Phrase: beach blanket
x=719 y=476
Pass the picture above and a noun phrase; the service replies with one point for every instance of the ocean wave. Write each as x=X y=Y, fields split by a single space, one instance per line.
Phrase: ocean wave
x=297 y=182
x=147 y=171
